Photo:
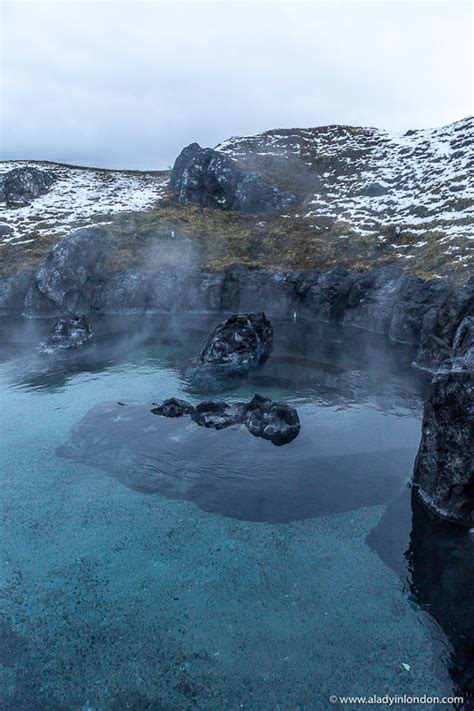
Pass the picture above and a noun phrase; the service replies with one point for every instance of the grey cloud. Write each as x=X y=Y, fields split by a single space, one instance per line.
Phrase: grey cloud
x=127 y=84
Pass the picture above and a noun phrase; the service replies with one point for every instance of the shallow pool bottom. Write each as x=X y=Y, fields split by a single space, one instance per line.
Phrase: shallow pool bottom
x=115 y=598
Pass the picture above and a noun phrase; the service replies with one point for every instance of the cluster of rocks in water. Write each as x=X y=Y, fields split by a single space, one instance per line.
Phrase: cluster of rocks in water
x=240 y=343
x=277 y=422
x=18 y=187
x=208 y=178
x=431 y=316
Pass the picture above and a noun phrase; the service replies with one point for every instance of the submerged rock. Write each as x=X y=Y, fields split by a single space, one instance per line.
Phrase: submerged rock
x=241 y=342
x=68 y=333
x=173 y=407
x=21 y=185
x=219 y=414
x=209 y=178
x=444 y=467
x=274 y=421
x=277 y=422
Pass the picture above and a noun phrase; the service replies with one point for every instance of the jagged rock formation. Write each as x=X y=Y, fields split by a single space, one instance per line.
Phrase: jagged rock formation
x=444 y=467
x=274 y=421
x=21 y=185
x=241 y=342
x=173 y=407
x=70 y=273
x=219 y=415
x=76 y=276
x=68 y=333
x=208 y=178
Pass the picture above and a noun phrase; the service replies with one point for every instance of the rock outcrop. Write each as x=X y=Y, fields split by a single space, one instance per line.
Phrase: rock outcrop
x=22 y=185
x=209 y=178
x=70 y=276
x=440 y=324
x=444 y=467
x=76 y=277
x=68 y=333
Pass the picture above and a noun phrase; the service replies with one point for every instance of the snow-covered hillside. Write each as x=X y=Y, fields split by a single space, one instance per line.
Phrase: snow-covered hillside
x=423 y=180
x=365 y=196
x=79 y=197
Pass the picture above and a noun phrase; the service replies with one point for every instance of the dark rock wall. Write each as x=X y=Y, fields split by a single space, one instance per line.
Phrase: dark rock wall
x=75 y=278
x=431 y=316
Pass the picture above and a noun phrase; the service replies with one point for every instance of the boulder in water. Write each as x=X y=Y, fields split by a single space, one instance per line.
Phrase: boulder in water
x=242 y=342
x=68 y=333
x=270 y=420
x=218 y=414
x=173 y=407
x=277 y=422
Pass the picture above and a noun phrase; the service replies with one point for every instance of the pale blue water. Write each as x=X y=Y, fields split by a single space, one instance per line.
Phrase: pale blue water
x=248 y=583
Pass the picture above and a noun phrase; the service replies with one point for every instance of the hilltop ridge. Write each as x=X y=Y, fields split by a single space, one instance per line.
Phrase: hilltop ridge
x=365 y=196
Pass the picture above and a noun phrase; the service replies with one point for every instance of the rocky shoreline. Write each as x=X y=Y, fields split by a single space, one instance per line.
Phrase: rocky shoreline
x=432 y=317
x=75 y=278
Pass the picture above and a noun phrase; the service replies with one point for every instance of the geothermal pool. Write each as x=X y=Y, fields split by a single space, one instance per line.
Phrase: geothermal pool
x=249 y=576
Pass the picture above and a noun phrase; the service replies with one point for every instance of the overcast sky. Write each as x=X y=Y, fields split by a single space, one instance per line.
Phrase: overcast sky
x=128 y=84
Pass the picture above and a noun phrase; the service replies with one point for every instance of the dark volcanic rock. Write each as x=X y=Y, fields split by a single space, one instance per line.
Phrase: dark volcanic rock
x=264 y=418
x=372 y=299
x=71 y=275
x=274 y=421
x=374 y=190
x=462 y=352
x=208 y=178
x=5 y=229
x=68 y=333
x=181 y=163
x=173 y=407
x=415 y=297
x=440 y=325
x=21 y=185
x=255 y=194
x=219 y=414
x=242 y=342
x=444 y=467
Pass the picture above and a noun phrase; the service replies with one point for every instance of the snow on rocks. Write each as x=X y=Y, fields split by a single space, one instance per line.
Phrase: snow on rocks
x=421 y=181
x=78 y=198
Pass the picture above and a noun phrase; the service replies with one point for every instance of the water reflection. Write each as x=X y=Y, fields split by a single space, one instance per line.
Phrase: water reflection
x=435 y=559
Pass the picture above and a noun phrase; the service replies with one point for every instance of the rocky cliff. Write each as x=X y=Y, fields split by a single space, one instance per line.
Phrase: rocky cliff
x=79 y=275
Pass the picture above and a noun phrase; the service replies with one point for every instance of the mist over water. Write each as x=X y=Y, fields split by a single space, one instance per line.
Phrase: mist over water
x=232 y=548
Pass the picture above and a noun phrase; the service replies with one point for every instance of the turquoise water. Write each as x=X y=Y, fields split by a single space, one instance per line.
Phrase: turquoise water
x=250 y=586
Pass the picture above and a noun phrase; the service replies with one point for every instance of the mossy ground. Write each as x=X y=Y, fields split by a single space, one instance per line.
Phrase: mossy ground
x=216 y=239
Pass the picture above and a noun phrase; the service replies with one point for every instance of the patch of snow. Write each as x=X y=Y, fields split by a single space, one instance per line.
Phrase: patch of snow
x=79 y=197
